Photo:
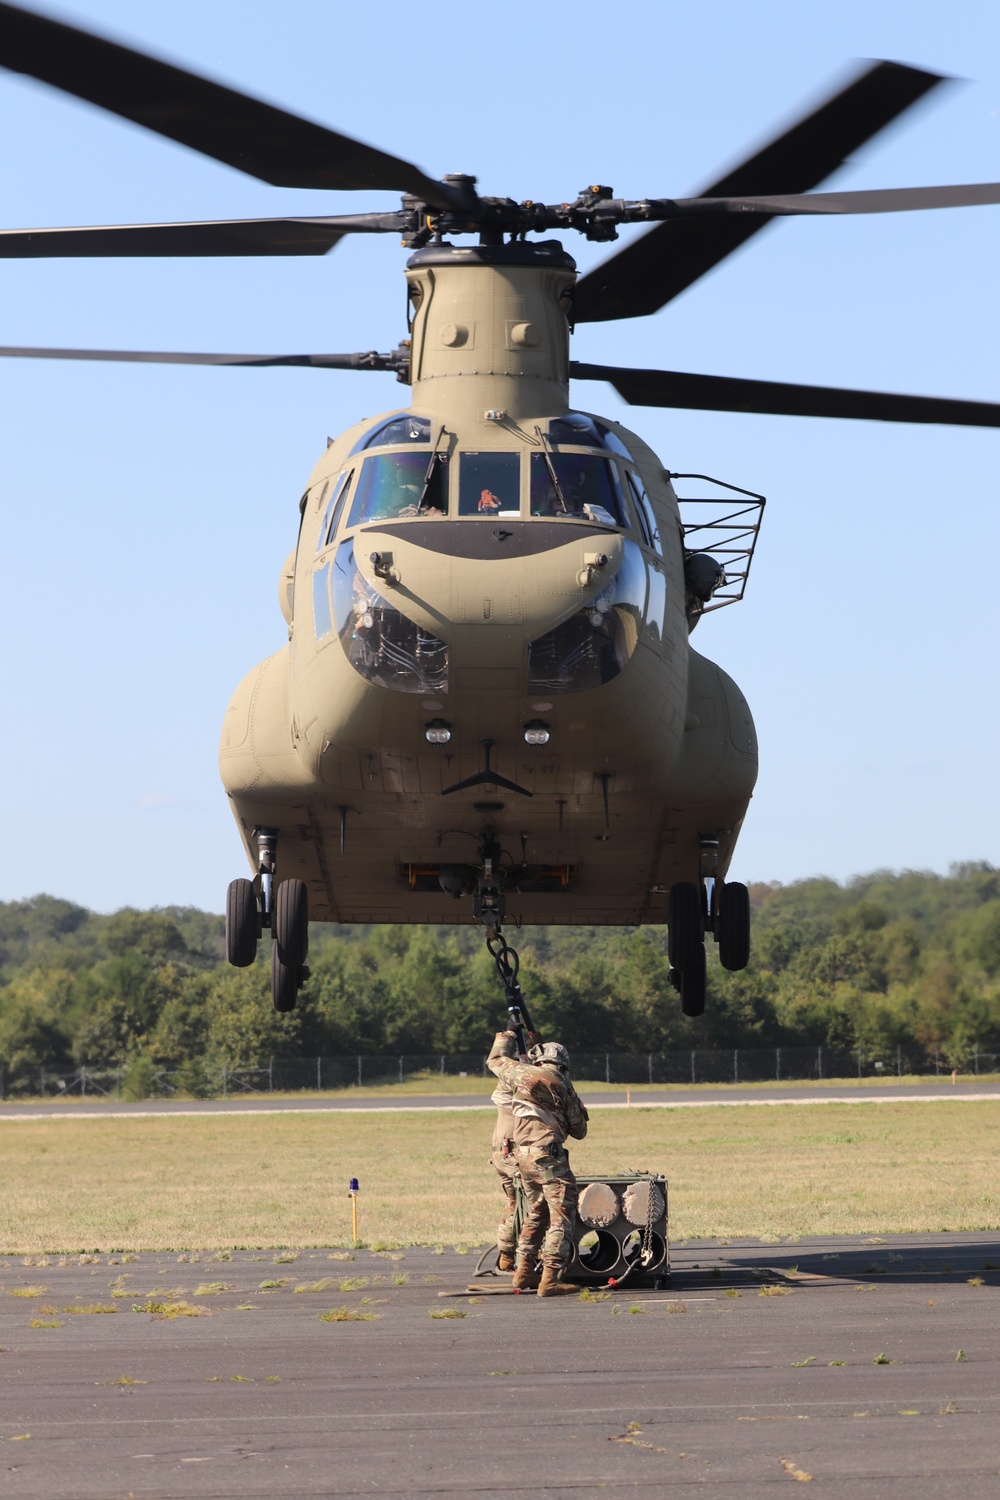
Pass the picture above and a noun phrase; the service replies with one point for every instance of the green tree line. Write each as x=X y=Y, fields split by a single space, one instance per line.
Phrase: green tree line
x=887 y=959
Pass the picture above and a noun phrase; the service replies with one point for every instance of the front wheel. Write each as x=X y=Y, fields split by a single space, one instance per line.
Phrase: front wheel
x=734 y=925
x=241 y=923
x=683 y=924
x=291 y=943
x=693 y=984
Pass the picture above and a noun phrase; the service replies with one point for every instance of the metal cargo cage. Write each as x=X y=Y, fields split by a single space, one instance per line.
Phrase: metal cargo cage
x=622 y=1219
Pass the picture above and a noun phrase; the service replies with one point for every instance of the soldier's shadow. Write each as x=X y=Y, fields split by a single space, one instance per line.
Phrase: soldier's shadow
x=869 y=1262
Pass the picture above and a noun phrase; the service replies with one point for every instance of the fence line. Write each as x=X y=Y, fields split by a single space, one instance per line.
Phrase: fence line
x=358 y=1070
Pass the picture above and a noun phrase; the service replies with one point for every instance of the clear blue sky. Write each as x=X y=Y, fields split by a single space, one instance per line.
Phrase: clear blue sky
x=147 y=511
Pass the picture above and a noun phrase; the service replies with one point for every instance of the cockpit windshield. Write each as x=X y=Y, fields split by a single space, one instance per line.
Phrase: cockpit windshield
x=489 y=484
x=394 y=486
x=400 y=428
x=575 y=486
x=578 y=430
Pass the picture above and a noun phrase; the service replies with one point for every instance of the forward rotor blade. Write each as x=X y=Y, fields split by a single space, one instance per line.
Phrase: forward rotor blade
x=257 y=138
x=674 y=388
x=867 y=201
x=663 y=262
x=369 y=361
x=224 y=237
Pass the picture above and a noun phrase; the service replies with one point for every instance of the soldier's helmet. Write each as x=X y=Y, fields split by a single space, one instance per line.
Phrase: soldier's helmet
x=550 y=1052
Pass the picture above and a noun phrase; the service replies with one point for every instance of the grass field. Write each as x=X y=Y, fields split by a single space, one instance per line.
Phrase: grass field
x=216 y=1182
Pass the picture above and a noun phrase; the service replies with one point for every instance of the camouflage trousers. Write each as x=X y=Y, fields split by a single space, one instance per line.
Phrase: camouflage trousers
x=551 y=1195
x=506 y=1169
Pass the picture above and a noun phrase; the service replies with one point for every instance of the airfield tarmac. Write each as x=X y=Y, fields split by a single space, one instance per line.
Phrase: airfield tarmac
x=675 y=1097
x=869 y=1367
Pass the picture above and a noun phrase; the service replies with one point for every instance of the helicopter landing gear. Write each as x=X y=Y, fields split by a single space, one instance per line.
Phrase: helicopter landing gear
x=684 y=929
x=686 y=946
x=291 y=944
x=732 y=924
x=242 y=924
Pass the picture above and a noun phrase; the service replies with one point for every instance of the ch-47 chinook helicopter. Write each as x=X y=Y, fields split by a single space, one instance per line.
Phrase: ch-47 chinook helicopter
x=488 y=690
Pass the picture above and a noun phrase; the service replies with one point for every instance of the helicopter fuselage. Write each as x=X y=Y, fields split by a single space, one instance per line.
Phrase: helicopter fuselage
x=488 y=630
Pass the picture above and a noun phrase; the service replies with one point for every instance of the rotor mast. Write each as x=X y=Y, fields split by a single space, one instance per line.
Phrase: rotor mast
x=490 y=330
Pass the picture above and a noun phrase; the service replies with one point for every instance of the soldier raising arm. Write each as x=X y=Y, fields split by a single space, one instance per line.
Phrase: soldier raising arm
x=546 y=1109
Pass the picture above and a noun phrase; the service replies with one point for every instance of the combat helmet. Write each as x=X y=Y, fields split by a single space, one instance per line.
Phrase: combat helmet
x=550 y=1052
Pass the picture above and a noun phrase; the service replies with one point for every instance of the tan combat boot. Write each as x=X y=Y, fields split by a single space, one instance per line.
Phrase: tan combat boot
x=526 y=1278
x=506 y=1261
x=552 y=1284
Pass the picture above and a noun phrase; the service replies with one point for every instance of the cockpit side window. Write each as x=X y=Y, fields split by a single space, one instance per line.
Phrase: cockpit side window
x=576 y=486
x=489 y=485
x=397 y=429
x=645 y=510
x=335 y=505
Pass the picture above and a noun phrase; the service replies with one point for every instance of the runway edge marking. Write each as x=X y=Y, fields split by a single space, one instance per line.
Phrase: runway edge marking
x=442 y=1109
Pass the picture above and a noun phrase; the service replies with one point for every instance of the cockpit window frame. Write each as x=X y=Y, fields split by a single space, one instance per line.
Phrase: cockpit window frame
x=371 y=438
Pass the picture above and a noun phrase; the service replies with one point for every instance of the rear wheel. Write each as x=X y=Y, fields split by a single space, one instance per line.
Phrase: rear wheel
x=734 y=925
x=241 y=923
x=291 y=943
x=693 y=985
x=683 y=924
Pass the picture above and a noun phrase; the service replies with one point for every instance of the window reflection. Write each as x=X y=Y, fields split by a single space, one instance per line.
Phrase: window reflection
x=335 y=505
x=593 y=646
x=656 y=608
x=321 y=602
x=489 y=484
x=392 y=485
x=381 y=643
x=399 y=428
x=576 y=428
x=577 y=486
x=645 y=509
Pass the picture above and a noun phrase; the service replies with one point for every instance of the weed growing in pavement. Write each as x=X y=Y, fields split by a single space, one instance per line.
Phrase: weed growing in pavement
x=273 y=1286
x=352 y=1283
x=128 y=1380
x=350 y=1315
x=732 y=1292
x=883 y=1359
x=677 y=1307
x=794 y=1472
x=28 y=1291
x=948 y=1410
x=44 y=1323
x=169 y=1310
x=774 y=1291
x=800 y=1364
x=323 y=1285
x=285 y=1259
x=400 y=1279
x=976 y=1281
x=960 y=1357
x=212 y=1288
x=448 y=1312
x=589 y=1296
x=91 y=1307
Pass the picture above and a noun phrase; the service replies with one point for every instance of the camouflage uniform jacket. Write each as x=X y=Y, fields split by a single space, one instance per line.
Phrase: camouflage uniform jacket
x=503 y=1130
x=545 y=1105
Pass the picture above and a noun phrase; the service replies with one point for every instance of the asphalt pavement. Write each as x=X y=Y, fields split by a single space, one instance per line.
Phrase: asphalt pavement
x=675 y=1097
x=868 y=1367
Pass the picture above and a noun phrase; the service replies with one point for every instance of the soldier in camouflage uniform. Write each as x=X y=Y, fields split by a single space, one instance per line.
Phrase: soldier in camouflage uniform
x=546 y=1109
x=504 y=1162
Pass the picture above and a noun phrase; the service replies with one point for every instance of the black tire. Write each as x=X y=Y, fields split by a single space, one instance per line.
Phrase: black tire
x=241 y=923
x=734 y=925
x=683 y=924
x=284 y=981
x=693 y=985
x=291 y=922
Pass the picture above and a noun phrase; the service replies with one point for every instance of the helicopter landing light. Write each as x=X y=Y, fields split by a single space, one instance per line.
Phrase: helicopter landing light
x=536 y=732
x=437 y=732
